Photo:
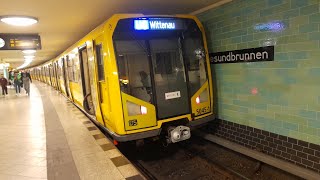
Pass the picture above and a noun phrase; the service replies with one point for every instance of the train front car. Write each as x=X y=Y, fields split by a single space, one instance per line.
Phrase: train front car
x=164 y=76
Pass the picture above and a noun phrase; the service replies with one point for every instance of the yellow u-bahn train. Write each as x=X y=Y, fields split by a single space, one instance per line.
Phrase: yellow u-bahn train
x=138 y=76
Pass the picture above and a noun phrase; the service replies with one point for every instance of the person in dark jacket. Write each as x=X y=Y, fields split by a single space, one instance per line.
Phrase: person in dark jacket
x=4 y=83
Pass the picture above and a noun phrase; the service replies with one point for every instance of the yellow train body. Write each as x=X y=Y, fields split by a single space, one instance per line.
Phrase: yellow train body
x=89 y=74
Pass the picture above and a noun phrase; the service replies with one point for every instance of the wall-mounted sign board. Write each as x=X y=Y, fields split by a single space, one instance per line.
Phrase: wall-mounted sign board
x=19 y=41
x=243 y=55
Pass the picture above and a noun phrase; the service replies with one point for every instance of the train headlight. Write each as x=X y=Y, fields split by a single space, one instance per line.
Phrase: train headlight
x=203 y=97
x=143 y=110
x=135 y=109
x=198 y=100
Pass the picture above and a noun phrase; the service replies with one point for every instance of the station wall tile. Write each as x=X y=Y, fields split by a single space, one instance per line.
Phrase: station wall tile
x=281 y=96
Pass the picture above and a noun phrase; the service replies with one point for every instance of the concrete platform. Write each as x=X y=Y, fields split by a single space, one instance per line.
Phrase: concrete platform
x=44 y=136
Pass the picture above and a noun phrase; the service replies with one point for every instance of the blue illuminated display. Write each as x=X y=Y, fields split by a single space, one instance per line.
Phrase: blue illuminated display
x=271 y=26
x=141 y=24
x=155 y=24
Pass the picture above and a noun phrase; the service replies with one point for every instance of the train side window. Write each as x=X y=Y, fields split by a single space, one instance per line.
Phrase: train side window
x=70 y=68
x=76 y=68
x=59 y=68
x=99 y=56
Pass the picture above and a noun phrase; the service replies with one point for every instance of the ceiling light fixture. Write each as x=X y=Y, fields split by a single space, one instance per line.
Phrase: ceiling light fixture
x=29 y=57
x=19 y=20
x=25 y=64
x=29 y=51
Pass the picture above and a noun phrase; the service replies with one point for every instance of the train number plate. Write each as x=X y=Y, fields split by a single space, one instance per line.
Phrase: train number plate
x=203 y=110
x=133 y=122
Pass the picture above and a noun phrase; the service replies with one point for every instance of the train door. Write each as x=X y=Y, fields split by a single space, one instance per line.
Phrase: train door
x=53 y=76
x=85 y=79
x=103 y=107
x=50 y=75
x=54 y=70
x=169 y=78
x=65 y=76
x=58 y=76
x=44 y=75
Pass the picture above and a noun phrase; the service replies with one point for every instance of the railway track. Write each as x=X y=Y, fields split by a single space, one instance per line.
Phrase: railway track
x=177 y=161
x=221 y=171
x=197 y=159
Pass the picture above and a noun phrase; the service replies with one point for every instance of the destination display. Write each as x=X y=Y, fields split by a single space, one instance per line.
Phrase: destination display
x=19 y=41
x=158 y=24
x=243 y=55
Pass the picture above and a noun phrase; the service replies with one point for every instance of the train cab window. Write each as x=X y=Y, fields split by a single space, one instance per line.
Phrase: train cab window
x=134 y=68
x=169 y=74
x=99 y=56
x=163 y=63
x=195 y=59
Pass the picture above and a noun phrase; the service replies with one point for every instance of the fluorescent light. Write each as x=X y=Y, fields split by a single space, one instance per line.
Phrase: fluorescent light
x=30 y=51
x=19 y=20
x=29 y=57
x=25 y=64
x=28 y=60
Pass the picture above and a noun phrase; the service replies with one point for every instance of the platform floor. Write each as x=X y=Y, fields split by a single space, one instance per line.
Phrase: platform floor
x=44 y=136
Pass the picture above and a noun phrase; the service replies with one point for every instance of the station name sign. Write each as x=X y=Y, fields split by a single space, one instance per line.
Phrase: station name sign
x=19 y=41
x=157 y=24
x=243 y=55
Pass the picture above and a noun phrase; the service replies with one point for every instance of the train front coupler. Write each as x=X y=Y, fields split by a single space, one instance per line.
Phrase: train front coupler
x=179 y=133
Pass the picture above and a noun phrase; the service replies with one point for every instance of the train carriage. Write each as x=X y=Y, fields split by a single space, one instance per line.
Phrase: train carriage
x=139 y=76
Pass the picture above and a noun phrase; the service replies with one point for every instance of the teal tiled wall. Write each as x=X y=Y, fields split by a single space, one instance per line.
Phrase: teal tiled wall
x=287 y=98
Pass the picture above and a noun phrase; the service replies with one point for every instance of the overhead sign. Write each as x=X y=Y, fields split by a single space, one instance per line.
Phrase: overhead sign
x=157 y=24
x=243 y=55
x=19 y=41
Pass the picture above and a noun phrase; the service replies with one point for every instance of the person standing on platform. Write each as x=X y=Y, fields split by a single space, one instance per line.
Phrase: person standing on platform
x=19 y=76
x=26 y=79
x=4 y=83
x=11 y=78
x=17 y=84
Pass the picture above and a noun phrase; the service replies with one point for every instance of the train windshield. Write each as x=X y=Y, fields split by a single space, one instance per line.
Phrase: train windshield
x=161 y=61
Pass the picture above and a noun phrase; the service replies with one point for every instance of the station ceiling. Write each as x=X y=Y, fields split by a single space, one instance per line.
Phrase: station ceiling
x=64 y=22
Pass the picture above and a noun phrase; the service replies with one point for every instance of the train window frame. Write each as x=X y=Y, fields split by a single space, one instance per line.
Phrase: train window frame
x=193 y=61
x=100 y=61
x=59 y=66
x=76 y=68
x=70 y=69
